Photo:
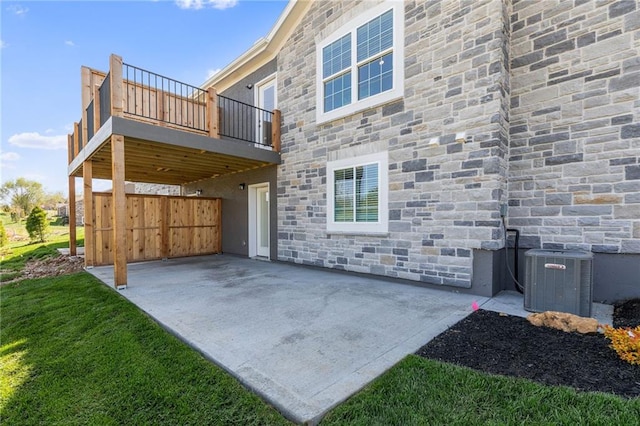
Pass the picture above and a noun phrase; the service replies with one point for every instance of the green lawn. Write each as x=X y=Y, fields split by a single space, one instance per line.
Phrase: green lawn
x=20 y=250
x=419 y=391
x=73 y=351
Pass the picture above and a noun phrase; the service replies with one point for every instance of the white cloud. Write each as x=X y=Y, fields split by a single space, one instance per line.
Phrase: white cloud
x=17 y=9
x=7 y=158
x=211 y=73
x=69 y=43
x=3 y=44
x=199 y=4
x=38 y=141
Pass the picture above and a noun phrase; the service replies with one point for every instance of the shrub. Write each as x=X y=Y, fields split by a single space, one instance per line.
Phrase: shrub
x=37 y=224
x=626 y=342
x=3 y=235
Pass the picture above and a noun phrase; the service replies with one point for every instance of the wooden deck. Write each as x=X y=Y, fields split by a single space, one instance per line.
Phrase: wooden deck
x=143 y=127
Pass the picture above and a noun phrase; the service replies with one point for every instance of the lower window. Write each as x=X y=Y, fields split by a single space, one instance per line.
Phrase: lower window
x=357 y=194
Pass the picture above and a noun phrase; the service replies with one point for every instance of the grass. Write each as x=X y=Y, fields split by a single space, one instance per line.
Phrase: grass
x=20 y=250
x=75 y=352
x=421 y=391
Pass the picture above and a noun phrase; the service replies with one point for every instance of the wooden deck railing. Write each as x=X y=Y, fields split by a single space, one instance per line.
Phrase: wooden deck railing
x=135 y=93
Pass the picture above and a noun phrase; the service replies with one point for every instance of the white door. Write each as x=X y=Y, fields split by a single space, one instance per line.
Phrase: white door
x=262 y=221
x=266 y=100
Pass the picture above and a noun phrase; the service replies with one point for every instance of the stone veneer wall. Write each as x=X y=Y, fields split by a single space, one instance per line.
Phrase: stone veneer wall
x=154 y=189
x=574 y=160
x=444 y=200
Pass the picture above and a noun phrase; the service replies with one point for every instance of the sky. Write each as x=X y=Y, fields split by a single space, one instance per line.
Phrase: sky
x=43 y=44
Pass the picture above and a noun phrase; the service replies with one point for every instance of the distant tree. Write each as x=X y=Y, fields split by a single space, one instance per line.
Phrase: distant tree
x=3 y=235
x=23 y=194
x=53 y=199
x=38 y=224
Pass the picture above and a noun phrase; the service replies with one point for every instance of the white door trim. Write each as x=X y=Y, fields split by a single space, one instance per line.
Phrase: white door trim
x=259 y=102
x=253 y=219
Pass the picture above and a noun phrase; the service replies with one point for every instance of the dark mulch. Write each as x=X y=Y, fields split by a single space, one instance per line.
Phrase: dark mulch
x=511 y=346
x=627 y=314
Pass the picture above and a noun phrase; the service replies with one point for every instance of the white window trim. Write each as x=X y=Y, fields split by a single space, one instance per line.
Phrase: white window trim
x=380 y=227
x=398 y=64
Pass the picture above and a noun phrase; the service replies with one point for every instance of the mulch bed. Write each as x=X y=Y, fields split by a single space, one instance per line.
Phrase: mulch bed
x=508 y=345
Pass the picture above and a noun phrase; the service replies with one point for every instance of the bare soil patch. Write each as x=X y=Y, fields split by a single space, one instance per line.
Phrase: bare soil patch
x=501 y=344
x=50 y=267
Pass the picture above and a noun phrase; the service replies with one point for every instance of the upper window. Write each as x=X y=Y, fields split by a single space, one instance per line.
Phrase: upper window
x=360 y=65
x=357 y=194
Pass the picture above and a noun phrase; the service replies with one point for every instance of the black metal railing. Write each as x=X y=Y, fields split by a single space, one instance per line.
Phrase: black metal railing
x=244 y=122
x=80 y=136
x=90 y=114
x=105 y=99
x=153 y=96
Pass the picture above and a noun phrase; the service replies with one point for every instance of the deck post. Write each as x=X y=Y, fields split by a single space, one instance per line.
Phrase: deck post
x=85 y=77
x=212 y=113
x=70 y=153
x=117 y=86
x=89 y=240
x=72 y=216
x=275 y=130
x=76 y=138
x=119 y=213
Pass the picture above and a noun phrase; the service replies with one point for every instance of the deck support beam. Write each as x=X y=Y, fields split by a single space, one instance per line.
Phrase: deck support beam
x=119 y=213
x=89 y=232
x=72 y=216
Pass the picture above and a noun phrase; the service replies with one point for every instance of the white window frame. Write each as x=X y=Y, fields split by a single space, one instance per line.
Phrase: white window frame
x=382 y=225
x=398 y=64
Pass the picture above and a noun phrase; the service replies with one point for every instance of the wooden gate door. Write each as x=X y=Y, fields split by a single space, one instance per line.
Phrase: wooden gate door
x=158 y=227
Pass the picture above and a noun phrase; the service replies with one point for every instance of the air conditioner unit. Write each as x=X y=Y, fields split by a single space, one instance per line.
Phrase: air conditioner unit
x=559 y=280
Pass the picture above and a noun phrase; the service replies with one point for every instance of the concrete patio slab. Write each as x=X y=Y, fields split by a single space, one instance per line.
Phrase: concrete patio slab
x=305 y=339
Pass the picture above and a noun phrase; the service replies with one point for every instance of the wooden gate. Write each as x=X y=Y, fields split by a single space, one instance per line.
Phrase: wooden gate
x=158 y=227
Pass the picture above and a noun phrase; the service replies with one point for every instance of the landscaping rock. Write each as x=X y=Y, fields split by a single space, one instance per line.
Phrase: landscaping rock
x=564 y=321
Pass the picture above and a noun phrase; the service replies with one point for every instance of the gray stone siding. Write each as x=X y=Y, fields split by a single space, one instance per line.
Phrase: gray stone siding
x=574 y=158
x=152 y=188
x=443 y=200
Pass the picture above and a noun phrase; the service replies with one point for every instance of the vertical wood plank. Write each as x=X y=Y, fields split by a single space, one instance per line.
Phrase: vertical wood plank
x=219 y=225
x=89 y=215
x=164 y=227
x=119 y=211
